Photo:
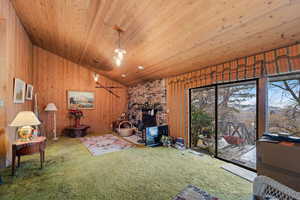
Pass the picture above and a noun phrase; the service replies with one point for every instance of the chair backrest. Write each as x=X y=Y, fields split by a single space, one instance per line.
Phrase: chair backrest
x=267 y=188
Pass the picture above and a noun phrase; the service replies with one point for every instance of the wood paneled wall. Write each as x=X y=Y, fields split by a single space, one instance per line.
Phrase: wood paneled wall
x=279 y=61
x=15 y=61
x=54 y=75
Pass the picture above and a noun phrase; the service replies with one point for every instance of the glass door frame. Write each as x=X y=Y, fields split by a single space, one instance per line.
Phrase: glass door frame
x=215 y=86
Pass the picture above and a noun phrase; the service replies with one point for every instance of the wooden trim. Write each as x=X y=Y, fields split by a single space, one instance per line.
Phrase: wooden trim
x=3 y=83
x=262 y=100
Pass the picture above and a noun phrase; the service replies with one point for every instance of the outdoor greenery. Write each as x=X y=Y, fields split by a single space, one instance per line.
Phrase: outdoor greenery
x=202 y=119
x=201 y=124
x=166 y=140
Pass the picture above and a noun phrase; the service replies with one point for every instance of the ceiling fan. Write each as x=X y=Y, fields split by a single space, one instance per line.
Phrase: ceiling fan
x=118 y=59
x=107 y=88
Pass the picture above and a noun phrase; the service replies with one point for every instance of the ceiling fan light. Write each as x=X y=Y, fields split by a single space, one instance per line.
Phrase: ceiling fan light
x=116 y=58
x=140 y=67
x=118 y=61
x=119 y=50
x=120 y=55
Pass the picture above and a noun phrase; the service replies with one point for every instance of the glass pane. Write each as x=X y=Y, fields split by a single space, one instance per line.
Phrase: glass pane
x=203 y=119
x=237 y=123
x=284 y=106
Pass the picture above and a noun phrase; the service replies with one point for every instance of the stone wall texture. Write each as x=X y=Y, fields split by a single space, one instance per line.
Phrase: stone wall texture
x=151 y=92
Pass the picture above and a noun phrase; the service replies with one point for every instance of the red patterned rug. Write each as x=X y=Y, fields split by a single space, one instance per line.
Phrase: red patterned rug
x=103 y=144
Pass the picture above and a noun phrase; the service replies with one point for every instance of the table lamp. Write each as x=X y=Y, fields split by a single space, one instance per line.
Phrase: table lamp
x=24 y=120
x=52 y=108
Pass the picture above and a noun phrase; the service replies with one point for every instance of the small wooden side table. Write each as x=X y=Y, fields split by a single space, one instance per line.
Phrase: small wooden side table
x=20 y=148
x=74 y=132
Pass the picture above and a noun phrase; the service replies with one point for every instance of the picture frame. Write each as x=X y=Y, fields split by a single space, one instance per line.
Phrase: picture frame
x=19 y=91
x=29 y=92
x=84 y=100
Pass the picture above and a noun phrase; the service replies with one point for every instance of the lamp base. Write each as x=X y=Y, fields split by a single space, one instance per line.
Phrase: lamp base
x=25 y=133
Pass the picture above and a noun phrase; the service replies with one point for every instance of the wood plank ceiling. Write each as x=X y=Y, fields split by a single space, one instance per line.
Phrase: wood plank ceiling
x=167 y=37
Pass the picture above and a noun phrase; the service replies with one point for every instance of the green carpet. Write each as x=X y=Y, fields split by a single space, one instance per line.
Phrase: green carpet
x=138 y=173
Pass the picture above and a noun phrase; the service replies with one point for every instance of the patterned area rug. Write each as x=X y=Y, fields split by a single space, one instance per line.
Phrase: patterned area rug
x=134 y=139
x=193 y=193
x=108 y=143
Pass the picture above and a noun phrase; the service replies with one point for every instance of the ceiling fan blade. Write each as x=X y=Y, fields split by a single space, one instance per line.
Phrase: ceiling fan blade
x=112 y=92
x=112 y=87
x=107 y=89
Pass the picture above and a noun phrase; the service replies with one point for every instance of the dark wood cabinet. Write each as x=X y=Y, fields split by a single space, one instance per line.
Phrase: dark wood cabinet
x=74 y=132
x=280 y=161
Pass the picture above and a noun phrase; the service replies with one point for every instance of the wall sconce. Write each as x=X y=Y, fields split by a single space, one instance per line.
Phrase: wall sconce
x=96 y=77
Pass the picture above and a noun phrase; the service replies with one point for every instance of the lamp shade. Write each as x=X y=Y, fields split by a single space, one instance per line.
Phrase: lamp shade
x=25 y=118
x=51 y=107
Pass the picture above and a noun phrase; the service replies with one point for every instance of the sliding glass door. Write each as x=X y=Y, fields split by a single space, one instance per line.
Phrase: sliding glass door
x=202 y=137
x=237 y=123
x=223 y=121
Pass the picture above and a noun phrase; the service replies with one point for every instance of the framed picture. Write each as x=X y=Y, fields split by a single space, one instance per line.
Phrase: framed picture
x=81 y=100
x=29 y=92
x=19 y=91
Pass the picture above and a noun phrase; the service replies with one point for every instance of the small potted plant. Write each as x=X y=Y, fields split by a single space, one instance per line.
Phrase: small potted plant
x=77 y=115
x=166 y=140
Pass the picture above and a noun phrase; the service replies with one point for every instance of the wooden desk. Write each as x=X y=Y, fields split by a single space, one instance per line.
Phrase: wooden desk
x=77 y=131
x=19 y=148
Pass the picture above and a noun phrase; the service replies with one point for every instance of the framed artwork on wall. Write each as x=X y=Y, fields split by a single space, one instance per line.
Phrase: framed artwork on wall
x=80 y=100
x=19 y=91
x=29 y=92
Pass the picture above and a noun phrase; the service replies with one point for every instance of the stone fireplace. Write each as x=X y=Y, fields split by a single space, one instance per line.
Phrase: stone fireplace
x=149 y=93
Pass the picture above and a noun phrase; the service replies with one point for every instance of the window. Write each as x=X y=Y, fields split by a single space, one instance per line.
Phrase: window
x=284 y=105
